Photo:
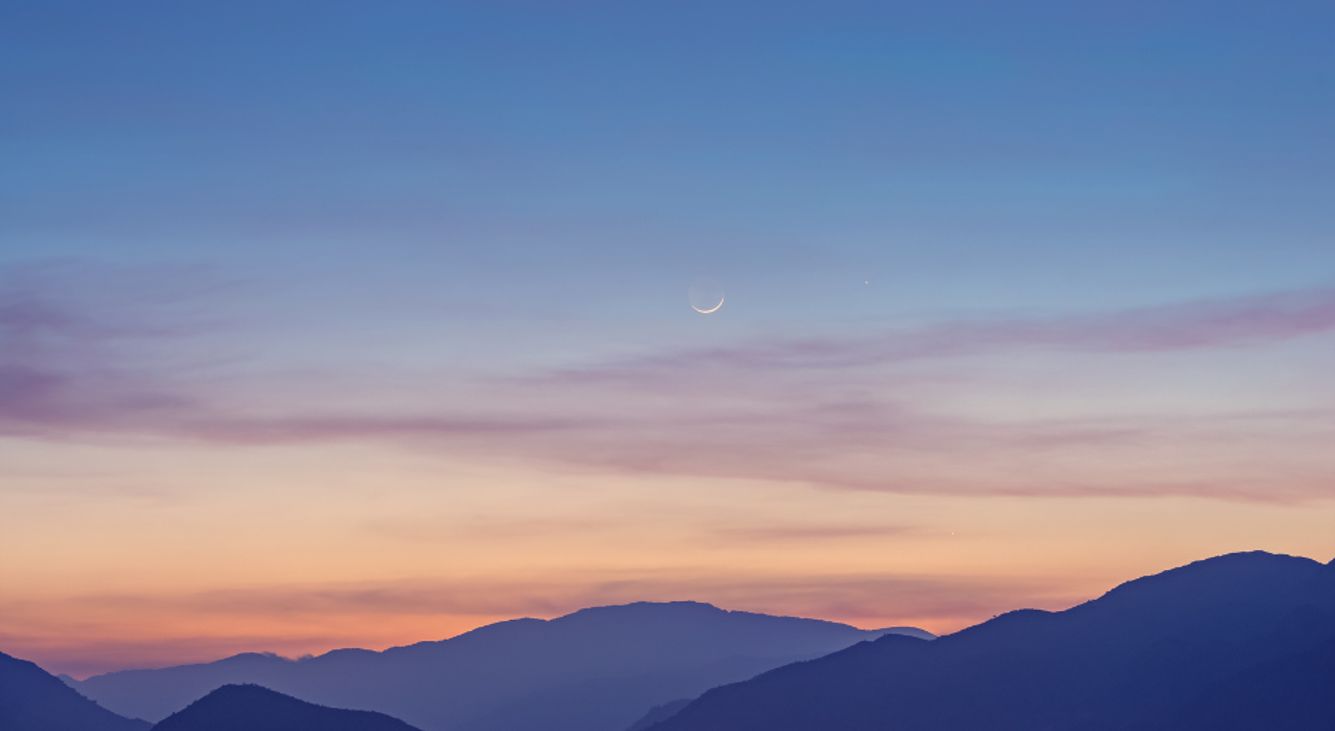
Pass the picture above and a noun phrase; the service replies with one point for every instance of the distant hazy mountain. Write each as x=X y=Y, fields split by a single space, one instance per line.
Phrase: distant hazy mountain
x=598 y=669
x=659 y=713
x=33 y=700
x=252 y=708
x=1244 y=641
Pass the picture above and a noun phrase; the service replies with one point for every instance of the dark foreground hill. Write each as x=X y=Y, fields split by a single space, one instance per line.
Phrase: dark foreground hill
x=1244 y=641
x=33 y=700
x=252 y=708
x=598 y=669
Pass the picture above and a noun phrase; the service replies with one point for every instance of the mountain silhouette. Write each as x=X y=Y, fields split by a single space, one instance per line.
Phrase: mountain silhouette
x=597 y=669
x=253 y=708
x=32 y=699
x=1243 y=641
x=659 y=713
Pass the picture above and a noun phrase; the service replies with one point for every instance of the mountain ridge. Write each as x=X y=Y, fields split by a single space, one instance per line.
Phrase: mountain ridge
x=268 y=656
x=598 y=669
x=1149 y=653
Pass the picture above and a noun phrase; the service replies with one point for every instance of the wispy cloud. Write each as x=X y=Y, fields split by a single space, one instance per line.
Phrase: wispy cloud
x=1227 y=322
x=445 y=528
x=69 y=351
x=833 y=413
x=806 y=533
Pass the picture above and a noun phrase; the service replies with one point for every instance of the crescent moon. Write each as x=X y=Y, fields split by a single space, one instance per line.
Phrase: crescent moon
x=711 y=310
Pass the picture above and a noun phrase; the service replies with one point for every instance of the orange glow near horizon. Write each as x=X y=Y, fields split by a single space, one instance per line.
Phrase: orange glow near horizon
x=160 y=578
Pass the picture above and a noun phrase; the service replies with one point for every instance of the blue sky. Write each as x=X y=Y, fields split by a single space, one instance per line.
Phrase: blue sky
x=1006 y=283
x=968 y=157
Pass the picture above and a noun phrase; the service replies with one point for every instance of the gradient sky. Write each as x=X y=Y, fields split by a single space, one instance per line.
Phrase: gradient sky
x=329 y=324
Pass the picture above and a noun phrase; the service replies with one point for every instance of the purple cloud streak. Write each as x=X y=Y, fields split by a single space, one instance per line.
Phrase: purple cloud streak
x=1240 y=321
x=755 y=414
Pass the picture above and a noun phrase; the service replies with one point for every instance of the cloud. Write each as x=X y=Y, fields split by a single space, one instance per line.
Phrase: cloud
x=817 y=595
x=446 y=528
x=219 y=427
x=23 y=317
x=1229 y=322
x=70 y=352
x=835 y=413
x=805 y=533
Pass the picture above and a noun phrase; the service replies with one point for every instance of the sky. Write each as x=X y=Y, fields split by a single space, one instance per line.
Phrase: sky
x=349 y=324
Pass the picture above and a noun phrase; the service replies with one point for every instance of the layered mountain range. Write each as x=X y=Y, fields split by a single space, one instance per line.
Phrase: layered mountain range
x=1243 y=641
x=597 y=669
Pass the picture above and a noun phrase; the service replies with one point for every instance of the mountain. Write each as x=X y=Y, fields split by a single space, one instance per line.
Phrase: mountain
x=659 y=713
x=597 y=669
x=1243 y=641
x=33 y=700
x=921 y=634
x=250 y=707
